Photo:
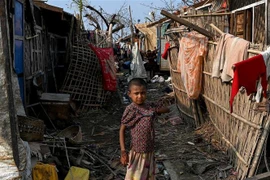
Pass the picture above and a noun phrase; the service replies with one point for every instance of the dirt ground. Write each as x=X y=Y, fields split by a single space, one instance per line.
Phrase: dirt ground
x=182 y=152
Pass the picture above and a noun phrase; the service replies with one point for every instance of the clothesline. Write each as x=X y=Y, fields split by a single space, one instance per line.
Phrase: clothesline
x=249 y=50
x=221 y=32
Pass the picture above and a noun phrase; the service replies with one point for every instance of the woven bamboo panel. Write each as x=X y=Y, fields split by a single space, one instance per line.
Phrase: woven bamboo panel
x=236 y=4
x=222 y=22
x=242 y=132
x=259 y=31
x=84 y=78
x=183 y=102
x=27 y=52
x=239 y=131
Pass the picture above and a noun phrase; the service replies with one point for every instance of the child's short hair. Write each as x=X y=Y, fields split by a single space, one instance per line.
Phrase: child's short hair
x=137 y=82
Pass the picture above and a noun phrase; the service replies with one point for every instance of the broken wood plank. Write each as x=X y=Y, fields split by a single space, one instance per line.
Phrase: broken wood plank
x=263 y=176
x=55 y=97
x=157 y=22
x=188 y=24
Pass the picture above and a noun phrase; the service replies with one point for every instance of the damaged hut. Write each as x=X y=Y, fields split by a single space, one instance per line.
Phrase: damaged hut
x=218 y=35
x=48 y=70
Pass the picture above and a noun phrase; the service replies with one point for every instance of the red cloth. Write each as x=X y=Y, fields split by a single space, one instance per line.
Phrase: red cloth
x=246 y=73
x=107 y=63
x=165 y=53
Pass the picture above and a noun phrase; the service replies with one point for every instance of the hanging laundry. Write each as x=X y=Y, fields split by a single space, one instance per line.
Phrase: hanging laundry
x=230 y=51
x=219 y=59
x=166 y=49
x=192 y=51
x=246 y=73
x=107 y=62
x=137 y=67
x=266 y=58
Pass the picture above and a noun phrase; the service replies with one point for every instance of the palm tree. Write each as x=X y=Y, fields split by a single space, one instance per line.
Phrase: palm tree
x=79 y=5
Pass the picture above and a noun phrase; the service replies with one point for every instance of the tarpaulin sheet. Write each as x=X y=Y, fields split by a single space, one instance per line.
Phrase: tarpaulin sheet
x=106 y=59
x=150 y=35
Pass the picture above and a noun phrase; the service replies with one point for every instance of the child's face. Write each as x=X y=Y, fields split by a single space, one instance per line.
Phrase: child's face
x=137 y=94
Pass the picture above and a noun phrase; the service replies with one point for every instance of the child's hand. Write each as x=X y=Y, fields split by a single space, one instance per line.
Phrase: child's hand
x=162 y=110
x=124 y=158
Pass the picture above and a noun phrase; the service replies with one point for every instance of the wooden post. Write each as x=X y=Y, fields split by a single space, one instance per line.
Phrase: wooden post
x=9 y=138
x=188 y=24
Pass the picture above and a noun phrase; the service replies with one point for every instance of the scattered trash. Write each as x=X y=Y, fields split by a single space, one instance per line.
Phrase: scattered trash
x=161 y=79
x=169 y=79
x=175 y=120
x=200 y=166
x=191 y=143
x=154 y=79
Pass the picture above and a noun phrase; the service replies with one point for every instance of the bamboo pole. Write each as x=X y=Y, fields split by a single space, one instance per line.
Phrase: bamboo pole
x=216 y=28
x=229 y=143
x=200 y=15
x=221 y=32
x=260 y=145
x=187 y=16
x=233 y=114
x=188 y=24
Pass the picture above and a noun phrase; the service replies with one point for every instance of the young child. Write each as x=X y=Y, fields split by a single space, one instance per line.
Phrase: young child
x=139 y=118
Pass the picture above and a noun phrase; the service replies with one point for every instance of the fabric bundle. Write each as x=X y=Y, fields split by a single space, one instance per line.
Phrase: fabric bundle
x=107 y=62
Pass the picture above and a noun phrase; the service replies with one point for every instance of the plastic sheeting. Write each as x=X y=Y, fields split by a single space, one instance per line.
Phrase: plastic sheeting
x=137 y=67
x=77 y=173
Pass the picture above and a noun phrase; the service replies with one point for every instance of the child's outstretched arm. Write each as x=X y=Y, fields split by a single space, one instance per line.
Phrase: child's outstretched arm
x=124 y=156
x=162 y=110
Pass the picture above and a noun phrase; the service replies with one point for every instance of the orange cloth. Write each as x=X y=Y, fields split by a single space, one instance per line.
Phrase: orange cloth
x=192 y=51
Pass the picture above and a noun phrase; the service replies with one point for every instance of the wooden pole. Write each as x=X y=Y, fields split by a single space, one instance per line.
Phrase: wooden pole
x=200 y=15
x=131 y=26
x=188 y=24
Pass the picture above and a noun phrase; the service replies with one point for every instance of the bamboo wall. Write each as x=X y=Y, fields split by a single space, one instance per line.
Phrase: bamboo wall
x=242 y=132
x=183 y=102
x=236 y=4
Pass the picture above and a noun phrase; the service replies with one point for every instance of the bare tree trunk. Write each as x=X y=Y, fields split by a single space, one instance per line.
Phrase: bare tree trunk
x=109 y=41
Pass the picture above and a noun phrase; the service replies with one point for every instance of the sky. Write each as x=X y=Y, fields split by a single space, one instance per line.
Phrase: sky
x=139 y=11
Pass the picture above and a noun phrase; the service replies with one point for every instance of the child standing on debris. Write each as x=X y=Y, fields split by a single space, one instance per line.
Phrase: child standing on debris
x=139 y=118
